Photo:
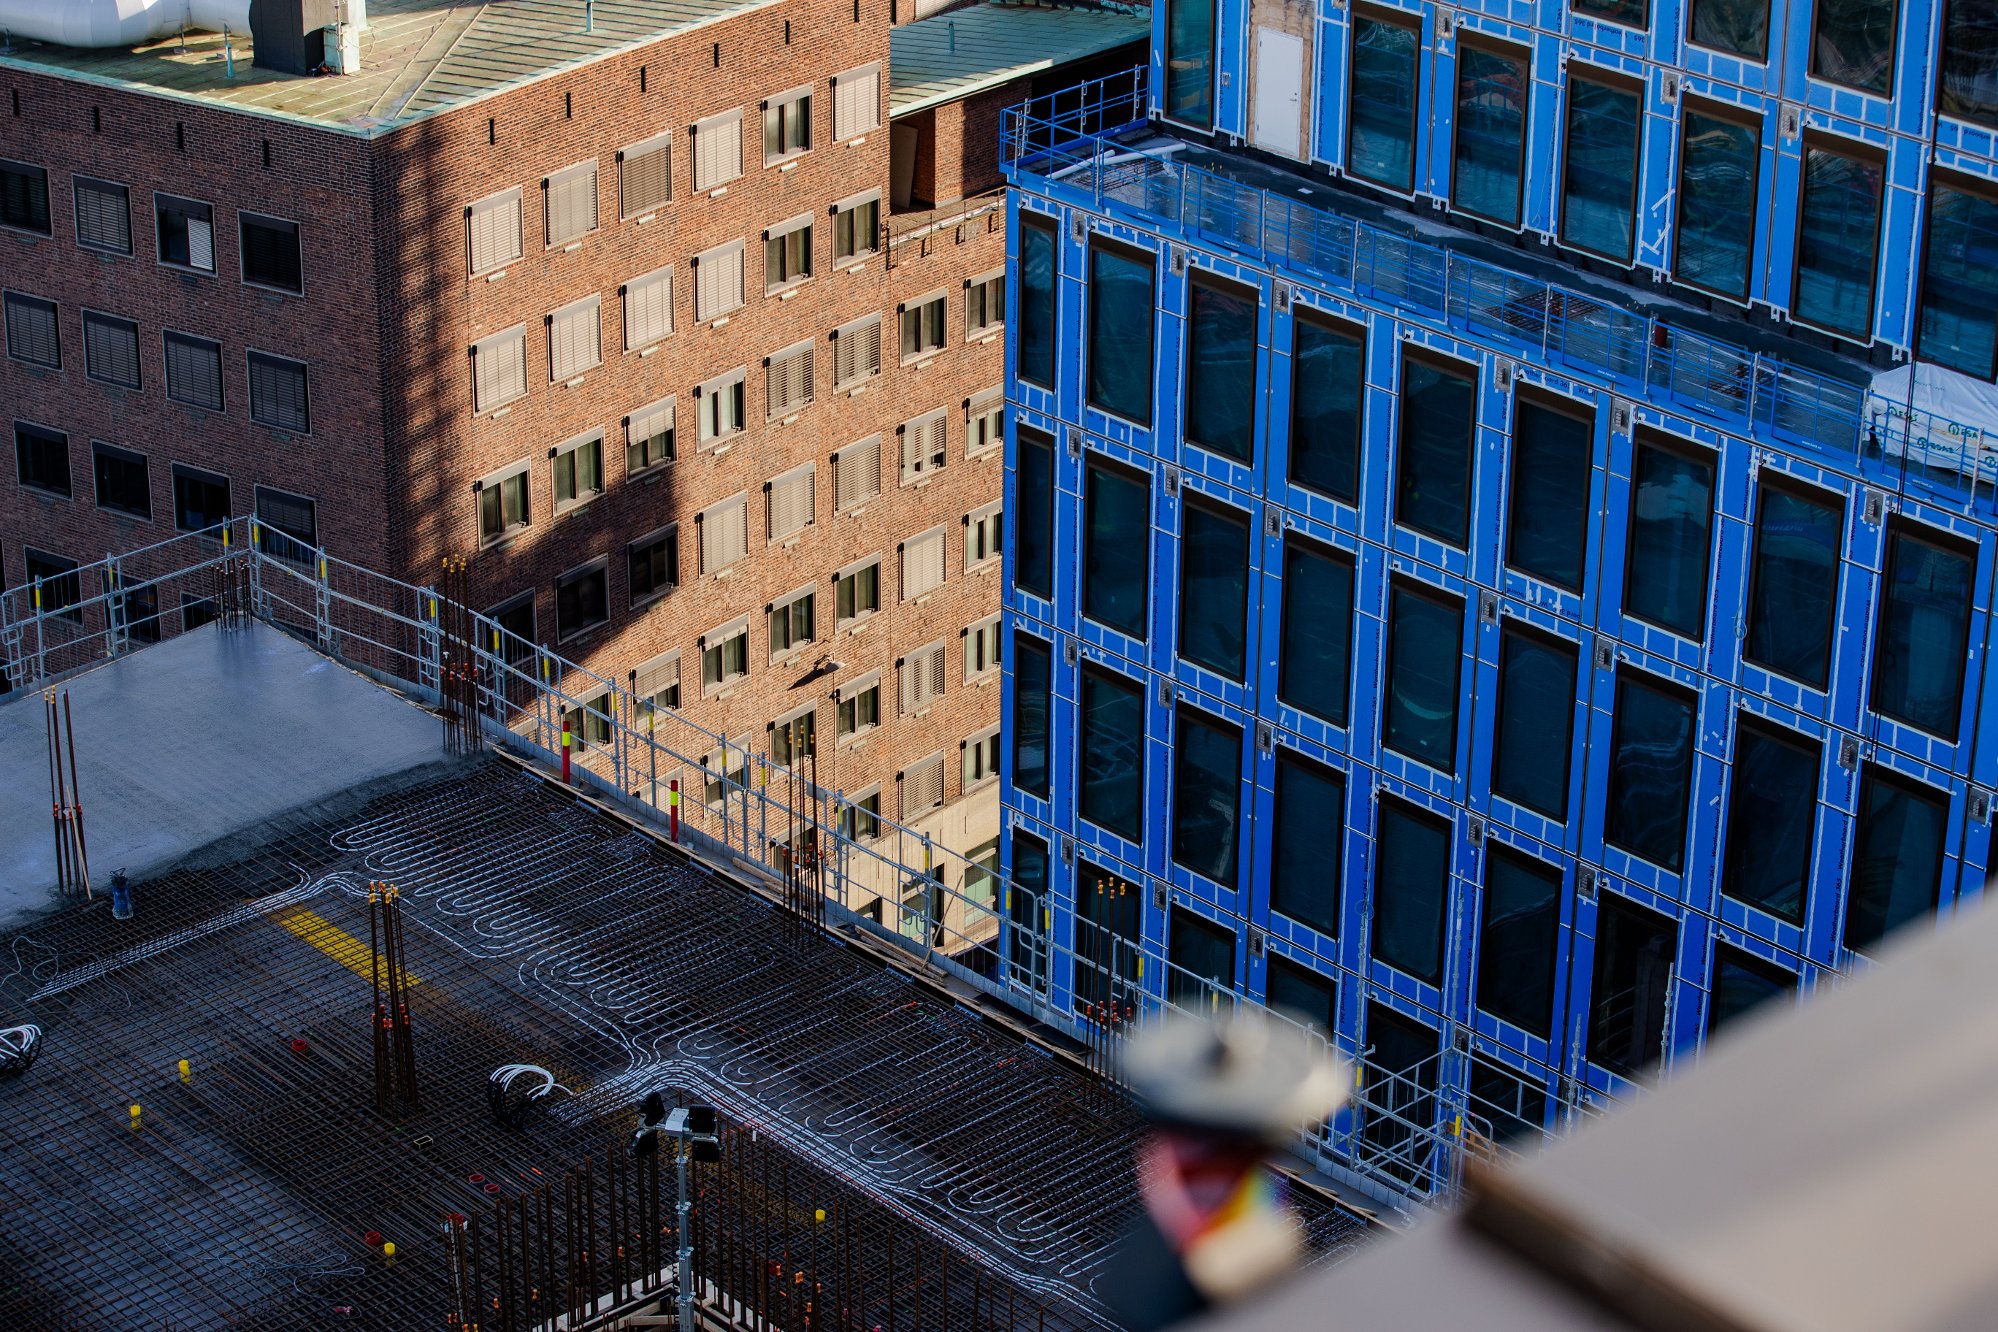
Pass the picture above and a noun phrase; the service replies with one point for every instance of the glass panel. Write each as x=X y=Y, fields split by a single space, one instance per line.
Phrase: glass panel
x=1380 y=141
x=1852 y=42
x=1425 y=647
x=1206 y=795
x=1120 y=334
x=1742 y=982
x=1651 y=772
x=1316 y=651
x=1919 y=656
x=1672 y=501
x=1026 y=905
x=1113 y=754
x=1221 y=369
x=1793 y=588
x=1531 y=747
x=1548 y=532
x=1116 y=549
x=1439 y=413
x=1307 y=841
x=1631 y=12
x=1110 y=916
x=1772 y=812
x=1400 y=1096
x=1411 y=890
x=1189 y=91
x=1897 y=863
x=1717 y=165
x=1970 y=61
x=1599 y=174
x=1633 y=976
x=1033 y=670
x=1959 y=325
x=1037 y=305
x=1837 y=241
x=1303 y=994
x=1033 y=523
x=1214 y=588
x=1198 y=950
x=1491 y=132
x=1517 y=933
x=1740 y=26
x=1510 y=1106
x=1328 y=381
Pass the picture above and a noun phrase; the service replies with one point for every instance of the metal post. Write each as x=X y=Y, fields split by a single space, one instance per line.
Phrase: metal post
x=686 y=1245
x=113 y=609
x=672 y=807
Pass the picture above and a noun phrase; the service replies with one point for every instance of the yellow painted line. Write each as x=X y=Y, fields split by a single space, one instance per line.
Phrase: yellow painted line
x=333 y=941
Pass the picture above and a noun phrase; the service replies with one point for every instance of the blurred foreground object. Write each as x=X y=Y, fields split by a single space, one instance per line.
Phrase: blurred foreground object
x=1222 y=1093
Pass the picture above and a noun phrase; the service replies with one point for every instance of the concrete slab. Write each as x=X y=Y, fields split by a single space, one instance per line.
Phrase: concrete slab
x=192 y=740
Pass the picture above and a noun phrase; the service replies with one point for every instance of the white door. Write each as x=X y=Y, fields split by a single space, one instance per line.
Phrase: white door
x=1279 y=93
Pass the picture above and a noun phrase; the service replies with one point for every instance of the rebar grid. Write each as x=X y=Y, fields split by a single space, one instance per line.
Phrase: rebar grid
x=543 y=931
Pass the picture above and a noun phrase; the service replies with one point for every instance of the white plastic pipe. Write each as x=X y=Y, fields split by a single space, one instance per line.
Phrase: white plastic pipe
x=118 y=22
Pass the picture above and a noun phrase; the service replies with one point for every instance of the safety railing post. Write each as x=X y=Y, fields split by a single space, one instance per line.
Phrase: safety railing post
x=115 y=628
x=322 y=607
x=41 y=633
x=258 y=606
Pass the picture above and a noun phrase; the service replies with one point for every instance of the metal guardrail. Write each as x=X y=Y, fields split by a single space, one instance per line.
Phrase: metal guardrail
x=1068 y=145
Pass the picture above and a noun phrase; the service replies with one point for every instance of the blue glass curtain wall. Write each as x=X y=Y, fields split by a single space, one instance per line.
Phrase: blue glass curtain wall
x=1380 y=141
x=1719 y=156
x=1737 y=26
x=1599 y=166
x=1492 y=88
x=1838 y=237
x=1189 y=61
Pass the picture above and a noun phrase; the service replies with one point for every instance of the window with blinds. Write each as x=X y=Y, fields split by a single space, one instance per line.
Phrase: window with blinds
x=24 y=196
x=857 y=591
x=724 y=656
x=787 y=253
x=648 y=309
x=792 y=502
x=194 y=370
x=644 y=176
x=923 y=677
x=103 y=215
x=648 y=436
x=856 y=352
x=923 y=327
x=270 y=252
x=923 y=564
x=981 y=758
x=499 y=369
x=579 y=470
x=492 y=231
x=111 y=349
x=922 y=787
x=985 y=304
x=985 y=421
x=570 y=203
x=856 y=101
x=658 y=682
x=788 y=380
x=31 y=331
x=787 y=125
x=291 y=523
x=923 y=447
x=856 y=224
x=186 y=231
x=575 y=339
x=859 y=706
x=981 y=648
x=652 y=566
x=717 y=150
x=721 y=406
x=724 y=534
x=279 y=395
x=718 y=281
x=983 y=533
x=857 y=472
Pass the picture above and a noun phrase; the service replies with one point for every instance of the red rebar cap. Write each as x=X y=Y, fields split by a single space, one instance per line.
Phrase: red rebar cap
x=372 y=1238
x=298 y=1046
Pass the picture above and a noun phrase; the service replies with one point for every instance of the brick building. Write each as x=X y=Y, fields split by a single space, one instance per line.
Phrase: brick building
x=608 y=298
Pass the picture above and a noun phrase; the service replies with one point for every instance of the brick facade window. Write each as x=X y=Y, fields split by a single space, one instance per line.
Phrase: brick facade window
x=193 y=370
x=856 y=101
x=110 y=349
x=41 y=458
x=103 y=215
x=24 y=197
x=271 y=255
x=280 y=395
x=32 y=333
x=492 y=231
x=644 y=176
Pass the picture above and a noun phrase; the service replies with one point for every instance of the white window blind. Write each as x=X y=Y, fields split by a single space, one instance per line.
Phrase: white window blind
x=922 y=787
x=721 y=406
x=856 y=101
x=645 y=176
x=111 y=349
x=724 y=534
x=718 y=281
x=788 y=380
x=659 y=676
x=648 y=436
x=857 y=351
x=499 y=369
x=575 y=341
x=201 y=244
x=857 y=472
x=31 y=331
x=922 y=564
x=792 y=501
x=492 y=231
x=571 y=202
x=648 y=309
x=923 y=446
x=923 y=677
x=717 y=150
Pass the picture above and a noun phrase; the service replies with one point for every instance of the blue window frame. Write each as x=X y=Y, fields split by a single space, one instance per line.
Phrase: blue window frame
x=1772 y=814
x=1314 y=666
x=1026 y=908
x=1838 y=239
x=1897 y=859
x=1720 y=154
x=1206 y=795
x=1793 y=581
x=1671 y=538
x=1034 y=502
x=1109 y=922
x=1116 y=547
x=1411 y=889
x=1742 y=982
x=1969 y=84
x=1599 y=166
x=1531 y=747
x=1852 y=42
x=1439 y=426
x=1737 y=26
x=1328 y=385
x=1547 y=533
x=1519 y=929
x=1221 y=399
x=1959 y=315
x=1922 y=638
x=1038 y=248
x=1214 y=587
x=1120 y=331
x=1424 y=660
x=1302 y=993
x=1307 y=841
x=1189 y=61
x=1033 y=681
x=1493 y=83
x=1632 y=13
x=1398 y=1103
x=1651 y=770
x=1112 y=790
x=1635 y=952
x=1198 y=950
x=1380 y=125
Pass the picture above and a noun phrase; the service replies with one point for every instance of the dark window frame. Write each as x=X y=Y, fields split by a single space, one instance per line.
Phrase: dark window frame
x=1289 y=759
x=1769 y=479
x=51 y=438
x=598 y=568
x=1206 y=123
x=1043 y=227
x=163 y=203
x=1226 y=288
x=70 y=609
x=28 y=171
x=1885 y=92
x=170 y=335
x=1442 y=599
x=1504 y=50
x=1837 y=145
x=272 y=362
x=1584 y=414
x=1410 y=23
x=1910 y=788
x=127 y=457
x=1687 y=451
x=1900 y=528
x=245 y=219
x=1731 y=874
x=1097 y=463
x=1516 y=628
x=90 y=316
x=1617 y=81
x=1987 y=191
x=198 y=476
x=1636 y=913
x=1115 y=680
x=667 y=536
x=1150 y=260
x=1740 y=958
x=1637 y=677
x=77 y=220
x=1497 y=851
x=1328 y=323
x=1758 y=57
x=1416 y=813
x=1186 y=716
x=1741 y=118
x=1306 y=547
x=1219 y=511
x=1446 y=364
